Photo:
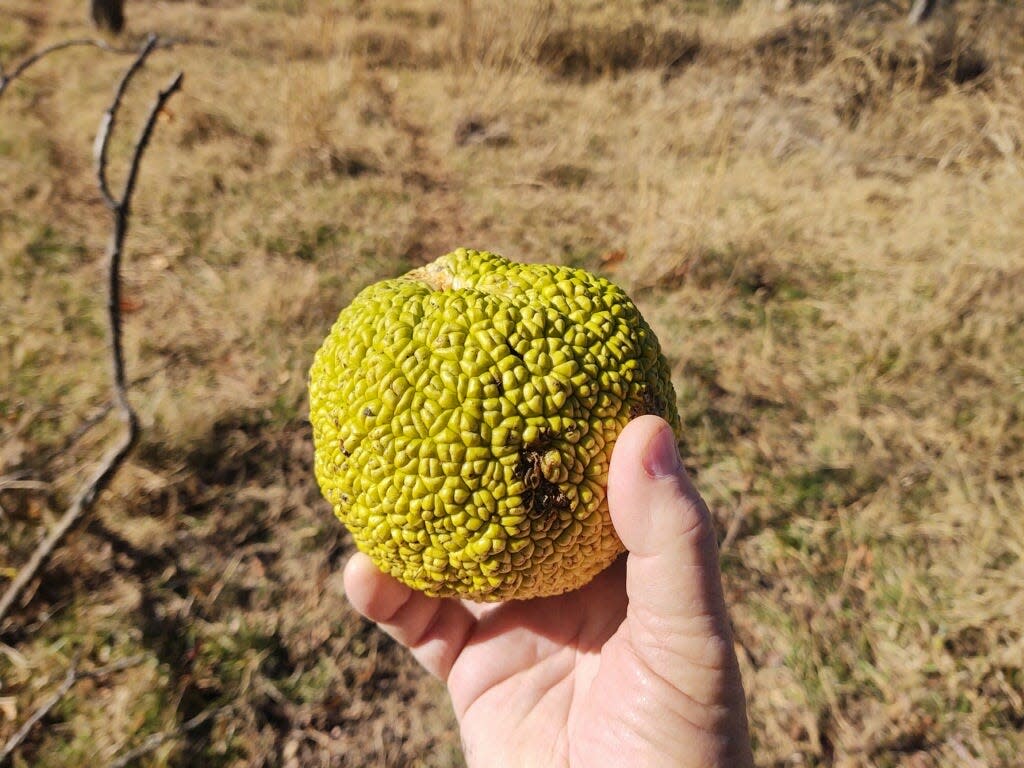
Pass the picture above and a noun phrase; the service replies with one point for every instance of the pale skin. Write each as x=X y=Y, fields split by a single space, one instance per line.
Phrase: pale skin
x=636 y=668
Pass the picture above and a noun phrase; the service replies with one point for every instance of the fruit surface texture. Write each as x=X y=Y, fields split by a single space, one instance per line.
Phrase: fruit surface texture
x=464 y=416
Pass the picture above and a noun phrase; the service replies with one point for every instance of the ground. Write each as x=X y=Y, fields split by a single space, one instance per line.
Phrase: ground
x=819 y=210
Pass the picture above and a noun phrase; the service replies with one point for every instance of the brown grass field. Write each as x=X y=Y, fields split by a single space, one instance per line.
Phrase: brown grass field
x=819 y=209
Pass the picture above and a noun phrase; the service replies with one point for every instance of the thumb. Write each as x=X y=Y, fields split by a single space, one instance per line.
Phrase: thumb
x=673 y=580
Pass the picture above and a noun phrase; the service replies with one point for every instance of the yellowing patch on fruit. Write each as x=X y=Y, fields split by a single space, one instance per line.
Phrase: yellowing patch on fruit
x=464 y=416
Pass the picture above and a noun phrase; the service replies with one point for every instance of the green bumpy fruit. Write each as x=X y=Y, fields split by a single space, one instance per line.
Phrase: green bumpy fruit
x=464 y=416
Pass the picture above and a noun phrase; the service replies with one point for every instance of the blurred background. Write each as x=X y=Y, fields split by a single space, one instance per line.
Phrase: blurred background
x=818 y=206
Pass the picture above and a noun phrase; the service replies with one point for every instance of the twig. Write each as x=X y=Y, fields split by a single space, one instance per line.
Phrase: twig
x=120 y=209
x=153 y=741
x=20 y=734
x=107 y=125
x=81 y=430
x=98 y=415
x=114 y=667
x=73 y=676
x=80 y=503
x=9 y=484
x=5 y=79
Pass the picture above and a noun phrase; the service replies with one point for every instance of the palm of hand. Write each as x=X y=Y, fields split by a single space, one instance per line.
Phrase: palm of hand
x=523 y=683
x=558 y=682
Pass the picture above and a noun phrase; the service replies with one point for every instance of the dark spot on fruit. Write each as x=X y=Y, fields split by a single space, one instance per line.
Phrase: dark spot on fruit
x=649 y=403
x=368 y=412
x=542 y=499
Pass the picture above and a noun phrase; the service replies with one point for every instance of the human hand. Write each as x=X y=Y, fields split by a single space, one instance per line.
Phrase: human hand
x=636 y=668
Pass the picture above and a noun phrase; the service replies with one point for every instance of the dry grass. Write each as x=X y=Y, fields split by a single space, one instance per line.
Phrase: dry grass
x=821 y=212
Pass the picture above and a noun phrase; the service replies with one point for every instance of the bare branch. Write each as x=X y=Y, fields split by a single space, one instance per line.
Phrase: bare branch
x=73 y=675
x=147 y=131
x=153 y=741
x=80 y=503
x=8 y=483
x=5 y=79
x=98 y=415
x=19 y=735
x=114 y=667
x=81 y=430
x=110 y=117
x=120 y=209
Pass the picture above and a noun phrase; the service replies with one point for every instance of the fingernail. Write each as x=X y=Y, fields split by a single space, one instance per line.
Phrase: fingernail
x=661 y=457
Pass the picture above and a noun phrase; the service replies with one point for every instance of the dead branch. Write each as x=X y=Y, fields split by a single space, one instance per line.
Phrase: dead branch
x=73 y=676
x=8 y=483
x=107 y=125
x=20 y=734
x=120 y=208
x=153 y=741
x=80 y=431
x=5 y=79
x=100 y=413
x=103 y=45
